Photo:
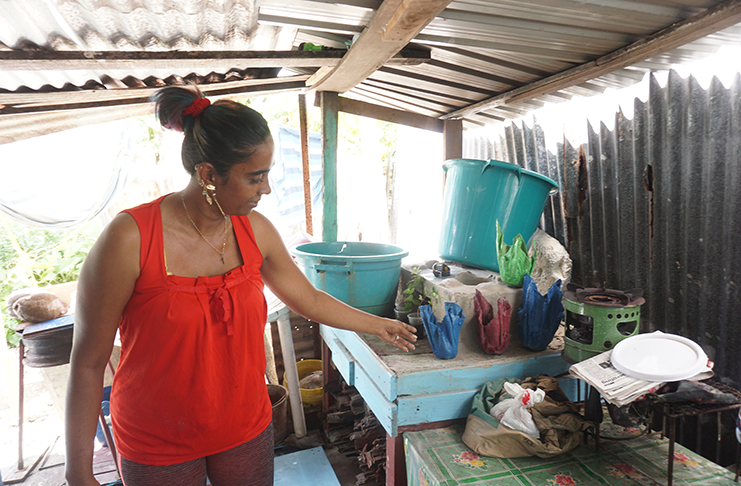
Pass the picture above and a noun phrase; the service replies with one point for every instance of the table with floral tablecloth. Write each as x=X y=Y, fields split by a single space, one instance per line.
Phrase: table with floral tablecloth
x=438 y=457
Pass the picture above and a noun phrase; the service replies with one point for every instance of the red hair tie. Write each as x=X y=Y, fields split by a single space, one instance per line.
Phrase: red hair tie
x=196 y=107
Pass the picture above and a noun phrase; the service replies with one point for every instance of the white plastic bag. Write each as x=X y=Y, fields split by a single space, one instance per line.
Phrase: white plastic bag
x=513 y=412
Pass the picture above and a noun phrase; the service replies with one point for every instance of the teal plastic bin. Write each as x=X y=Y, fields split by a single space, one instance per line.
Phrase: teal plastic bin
x=363 y=275
x=477 y=194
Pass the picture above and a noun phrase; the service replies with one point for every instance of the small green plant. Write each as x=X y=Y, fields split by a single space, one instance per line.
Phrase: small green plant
x=416 y=294
x=33 y=257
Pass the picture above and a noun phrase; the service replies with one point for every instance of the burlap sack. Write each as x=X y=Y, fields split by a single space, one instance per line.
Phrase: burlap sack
x=558 y=422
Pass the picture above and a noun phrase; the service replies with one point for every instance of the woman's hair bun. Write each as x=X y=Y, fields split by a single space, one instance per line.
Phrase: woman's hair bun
x=171 y=102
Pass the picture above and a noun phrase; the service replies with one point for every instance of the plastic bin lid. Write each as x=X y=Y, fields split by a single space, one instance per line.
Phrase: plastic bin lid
x=659 y=357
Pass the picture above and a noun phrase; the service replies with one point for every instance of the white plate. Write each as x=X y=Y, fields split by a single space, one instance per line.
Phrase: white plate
x=659 y=357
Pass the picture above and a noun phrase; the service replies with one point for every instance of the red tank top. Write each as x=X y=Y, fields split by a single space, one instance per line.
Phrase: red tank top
x=190 y=381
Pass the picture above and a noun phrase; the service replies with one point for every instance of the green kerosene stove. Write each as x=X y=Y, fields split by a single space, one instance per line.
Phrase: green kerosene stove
x=597 y=319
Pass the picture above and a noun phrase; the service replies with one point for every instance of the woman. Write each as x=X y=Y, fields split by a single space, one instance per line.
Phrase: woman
x=182 y=279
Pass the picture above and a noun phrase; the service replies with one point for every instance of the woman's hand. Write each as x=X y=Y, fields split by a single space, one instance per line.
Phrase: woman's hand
x=397 y=333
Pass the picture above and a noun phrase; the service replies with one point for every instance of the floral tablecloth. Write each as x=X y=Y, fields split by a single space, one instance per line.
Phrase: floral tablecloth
x=439 y=457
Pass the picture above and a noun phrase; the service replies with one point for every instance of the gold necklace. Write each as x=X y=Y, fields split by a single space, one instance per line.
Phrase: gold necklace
x=226 y=228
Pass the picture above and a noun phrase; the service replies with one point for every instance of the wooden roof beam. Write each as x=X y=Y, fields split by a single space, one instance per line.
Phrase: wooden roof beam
x=394 y=25
x=712 y=20
x=400 y=117
x=18 y=60
x=37 y=102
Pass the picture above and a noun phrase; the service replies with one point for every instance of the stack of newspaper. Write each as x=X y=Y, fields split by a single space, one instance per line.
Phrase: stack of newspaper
x=614 y=386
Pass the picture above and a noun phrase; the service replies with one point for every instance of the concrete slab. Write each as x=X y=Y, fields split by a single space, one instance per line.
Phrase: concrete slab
x=309 y=467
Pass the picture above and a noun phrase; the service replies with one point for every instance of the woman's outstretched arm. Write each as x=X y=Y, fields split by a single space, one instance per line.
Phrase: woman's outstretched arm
x=290 y=285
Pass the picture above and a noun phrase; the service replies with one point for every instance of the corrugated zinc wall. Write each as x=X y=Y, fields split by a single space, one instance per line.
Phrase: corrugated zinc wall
x=653 y=203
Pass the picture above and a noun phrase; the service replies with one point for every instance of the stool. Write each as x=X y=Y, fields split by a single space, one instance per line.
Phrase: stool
x=44 y=345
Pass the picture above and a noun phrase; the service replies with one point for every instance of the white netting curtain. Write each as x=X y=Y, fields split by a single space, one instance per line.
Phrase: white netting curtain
x=63 y=179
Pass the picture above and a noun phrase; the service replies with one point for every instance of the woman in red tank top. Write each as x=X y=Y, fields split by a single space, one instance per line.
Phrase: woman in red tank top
x=181 y=278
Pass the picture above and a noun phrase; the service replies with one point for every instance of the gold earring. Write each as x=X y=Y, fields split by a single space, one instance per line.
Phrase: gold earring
x=206 y=188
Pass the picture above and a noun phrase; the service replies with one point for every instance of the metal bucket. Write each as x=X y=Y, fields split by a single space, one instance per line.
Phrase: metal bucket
x=279 y=401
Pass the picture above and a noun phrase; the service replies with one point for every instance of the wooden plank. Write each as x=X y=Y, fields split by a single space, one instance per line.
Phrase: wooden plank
x=395 y=461
x=710 y=21
x=361 y=108
x=21 y=60
x=305 y=168
x=343 y=361
x=198 y=61
x=395 y=23
x=358 y=351
x=21 y=103
x=98 y=95
x=385 y=411
x=422 y=409
x=446 y=377
x=329 y=104
x=453 y=139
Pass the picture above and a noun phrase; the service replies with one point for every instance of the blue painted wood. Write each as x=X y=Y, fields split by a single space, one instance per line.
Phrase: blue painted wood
x=449 y=379
x=384 y=409
x=330 y=111
x=309 y=467
x=423 y=409
x=383 y=377
x=387 y=412
x=406 y=390
x=343 y=360
x=568 y=385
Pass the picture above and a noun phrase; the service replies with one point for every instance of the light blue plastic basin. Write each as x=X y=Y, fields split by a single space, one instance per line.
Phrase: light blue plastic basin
x=477 y=194
x=363 y=275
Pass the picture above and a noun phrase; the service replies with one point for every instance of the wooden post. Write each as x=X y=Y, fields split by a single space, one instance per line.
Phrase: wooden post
x=305 y=154
x=453 y=135
x=452 y=142
x=329 y=103
x=21 y=354
x=289 y=363
x=270 y=371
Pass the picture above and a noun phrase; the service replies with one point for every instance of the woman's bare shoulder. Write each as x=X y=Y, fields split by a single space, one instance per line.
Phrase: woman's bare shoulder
x=266 y=234
x=260 y=223
x=119 y=243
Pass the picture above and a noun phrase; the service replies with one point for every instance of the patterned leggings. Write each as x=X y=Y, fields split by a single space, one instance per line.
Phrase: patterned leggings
x=249 y=464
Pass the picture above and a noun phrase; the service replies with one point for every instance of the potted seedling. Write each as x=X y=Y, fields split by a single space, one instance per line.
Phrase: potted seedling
x=414 y=294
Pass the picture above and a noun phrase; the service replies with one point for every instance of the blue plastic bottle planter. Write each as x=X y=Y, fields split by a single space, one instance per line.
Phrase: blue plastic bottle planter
x=443 y=336
x=539 y=316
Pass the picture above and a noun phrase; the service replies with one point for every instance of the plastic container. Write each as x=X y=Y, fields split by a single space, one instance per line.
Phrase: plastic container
x=659 y=357
x=363 y=275
x=105 y=405
x=478 y=193
x=310 y=396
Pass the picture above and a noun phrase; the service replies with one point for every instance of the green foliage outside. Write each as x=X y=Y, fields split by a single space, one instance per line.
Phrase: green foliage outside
x=34 y=257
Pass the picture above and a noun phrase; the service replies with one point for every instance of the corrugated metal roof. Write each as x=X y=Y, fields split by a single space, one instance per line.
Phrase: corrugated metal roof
x=128 y=26
x=482 y=52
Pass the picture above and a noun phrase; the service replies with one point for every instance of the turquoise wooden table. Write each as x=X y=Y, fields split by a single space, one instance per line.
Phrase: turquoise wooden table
x=417 y=391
